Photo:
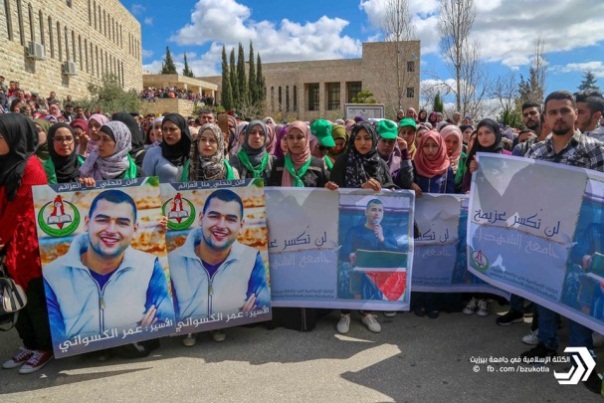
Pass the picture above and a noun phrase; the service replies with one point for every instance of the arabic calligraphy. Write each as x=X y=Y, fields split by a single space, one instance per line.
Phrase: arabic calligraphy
x=210 y=184
x=302 y=239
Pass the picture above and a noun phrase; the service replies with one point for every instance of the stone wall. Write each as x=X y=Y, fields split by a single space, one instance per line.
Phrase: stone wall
x=100 y=36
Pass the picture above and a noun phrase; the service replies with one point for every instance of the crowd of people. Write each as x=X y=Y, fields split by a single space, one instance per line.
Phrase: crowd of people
x=426 y=153
x=152 y=94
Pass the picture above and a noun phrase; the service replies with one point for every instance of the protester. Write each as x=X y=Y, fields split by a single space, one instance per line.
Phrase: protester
x=208 y=161
x=64 y=163
x=167 y=161
x=253 y=160
x=42 y=126
x=20 y=169
x=452 y=136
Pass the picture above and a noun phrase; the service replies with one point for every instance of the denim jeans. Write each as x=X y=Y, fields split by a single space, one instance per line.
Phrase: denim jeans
x=578 y=335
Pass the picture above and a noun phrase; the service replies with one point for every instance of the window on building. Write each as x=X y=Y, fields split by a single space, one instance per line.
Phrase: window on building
x=73 y=45
x=272 y=98
x=295 y=98
x=21 y=25
x=50 y=39
x=280 y=100
x=94 y=13
x=352 y=90
x=80 y=52
x=89 y=13
x=410 y=92
x=287 y=98
x=410 y=67
x=333 y=96
x=32 y=25
x=313 y=96
x=66 y=45
x=9 y=20
x=86 y=55
x=68 y=2
x=59 y=47
x=42 y=36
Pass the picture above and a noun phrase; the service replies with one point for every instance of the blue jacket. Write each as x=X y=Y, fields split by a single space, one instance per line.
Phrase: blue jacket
x=78 y=306
x=444 y=183
x=197 y=294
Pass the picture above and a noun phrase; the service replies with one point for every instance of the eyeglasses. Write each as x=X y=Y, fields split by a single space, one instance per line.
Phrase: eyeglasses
x=61 y=139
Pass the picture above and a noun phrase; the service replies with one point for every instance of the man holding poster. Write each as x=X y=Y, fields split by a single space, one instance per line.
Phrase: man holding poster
x=102 y=284
x=212 y=273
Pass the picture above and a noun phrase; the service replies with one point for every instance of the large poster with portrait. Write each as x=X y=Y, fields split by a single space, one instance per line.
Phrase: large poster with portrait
x=440 y=262
x=104 y=262
x=349 y=249
x=218 y=253
x=535 y=229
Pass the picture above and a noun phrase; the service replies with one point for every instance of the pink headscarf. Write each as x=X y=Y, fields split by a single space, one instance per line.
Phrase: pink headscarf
x=297 y=159
x=453 y=130
x=272 y=139
x=437 y=165
x=101 y=120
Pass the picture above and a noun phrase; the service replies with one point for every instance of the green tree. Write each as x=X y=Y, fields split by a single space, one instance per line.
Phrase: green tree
x=364 y=97
x=168 y=66
x=110 y=97
x=252 y=83
x=186 y=71
x=233 y=79
x=437 y=105
x=589 y=82
x=242 y=82
x=227 y=92
x=260 y=83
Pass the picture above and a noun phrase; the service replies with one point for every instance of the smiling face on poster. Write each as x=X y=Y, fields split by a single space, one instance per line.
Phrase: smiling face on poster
x=375 y=238
x=104 y=262
x=218 y=250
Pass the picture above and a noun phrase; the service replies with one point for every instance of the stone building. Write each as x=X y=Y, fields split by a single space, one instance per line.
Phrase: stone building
x=64 y=45
x=311 y=89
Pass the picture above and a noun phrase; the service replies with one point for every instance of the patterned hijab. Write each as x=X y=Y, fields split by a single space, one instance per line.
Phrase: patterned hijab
x=113 y=166
x=177 y=153
x=101 y=120
x=361 y=167
x=207 y=167
x=21 y=137
x=67 y=168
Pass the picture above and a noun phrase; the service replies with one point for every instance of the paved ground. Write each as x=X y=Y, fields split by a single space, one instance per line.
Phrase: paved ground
x=413 y=359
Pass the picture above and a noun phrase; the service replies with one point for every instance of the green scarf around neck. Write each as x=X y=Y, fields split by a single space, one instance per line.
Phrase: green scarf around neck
x=289 y=165
x=245 y=161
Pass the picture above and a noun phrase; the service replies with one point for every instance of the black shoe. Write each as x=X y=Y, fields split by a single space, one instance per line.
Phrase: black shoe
x=433 y=314
x=539 y=351
x=593 y=382
x=421 y=312
x=509 y=318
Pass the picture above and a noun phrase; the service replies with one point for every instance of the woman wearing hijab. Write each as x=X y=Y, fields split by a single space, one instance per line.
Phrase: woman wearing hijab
x=360 y=167
x=433 y=119
x=138 y=150
x=111 y=158
x=64 y=163
x=20 y=169
x=80 y=131
x=453 y=139
x=42 y=126
x=253 y=160
x=422 y=116
x=340 y=137
x=281 y=146
x=167 y=161
x=154 y=135
x=298 y=168
x=95 y=122
x=208 y=157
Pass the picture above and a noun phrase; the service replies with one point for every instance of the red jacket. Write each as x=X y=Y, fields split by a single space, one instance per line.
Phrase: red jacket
x=18 y=226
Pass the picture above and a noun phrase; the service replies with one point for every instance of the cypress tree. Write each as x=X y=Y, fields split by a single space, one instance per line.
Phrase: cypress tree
x=186 y=71
x=243 y=90
x=252 y=83
x=260 y=84
x=233 y=79
x=168 y=66
x=227 y=93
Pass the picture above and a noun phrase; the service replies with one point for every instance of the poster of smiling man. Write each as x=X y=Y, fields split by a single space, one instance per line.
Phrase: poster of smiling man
x=104 y=262
x=218 y=253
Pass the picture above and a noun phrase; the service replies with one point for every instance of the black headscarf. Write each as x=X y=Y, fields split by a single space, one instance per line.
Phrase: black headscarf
x=138 y=139
x=361 y=168
x=22 y=138
x=496 y=147
x=178 y=153
x=66 y=168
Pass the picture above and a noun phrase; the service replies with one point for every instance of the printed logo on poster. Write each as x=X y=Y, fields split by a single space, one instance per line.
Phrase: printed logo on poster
x=480 y=261
x=59 y=218
x=585 y=364
x=180 y=212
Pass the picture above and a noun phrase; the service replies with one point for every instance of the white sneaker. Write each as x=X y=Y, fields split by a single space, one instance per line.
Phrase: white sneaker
x=218 y=335
x=389 y=314
x=371 y=322
x=471 y=307
x=189 y=340
x=531 y=339
x=344 y=324
x=18 y=359
x=483 y=309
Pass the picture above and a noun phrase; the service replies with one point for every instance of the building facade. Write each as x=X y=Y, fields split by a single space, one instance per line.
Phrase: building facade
x=312 y=89
x=65 y=45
